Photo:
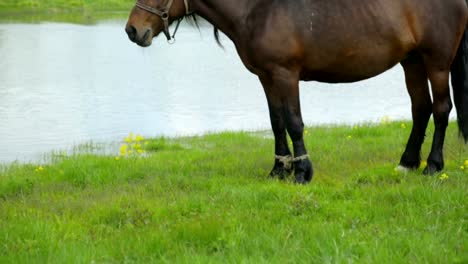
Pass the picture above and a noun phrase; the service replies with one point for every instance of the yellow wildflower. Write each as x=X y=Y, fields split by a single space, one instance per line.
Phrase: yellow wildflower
x=403 y=125
x=462 y=167
x=139 y=138
x=465 y=163
x=423 y=164
x=117 y=158
x=443 y=177
x=385 y=120
x=39 y=169
x=123 y=149
x=129 y=138
x=349 y=137
x=133 y=145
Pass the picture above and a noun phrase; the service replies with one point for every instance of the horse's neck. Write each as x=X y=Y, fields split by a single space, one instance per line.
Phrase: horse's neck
x=227 y=16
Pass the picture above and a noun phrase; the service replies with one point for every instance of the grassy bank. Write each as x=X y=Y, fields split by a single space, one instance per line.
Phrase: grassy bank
x=207 y=199
x=77 y=11
x=64 y=5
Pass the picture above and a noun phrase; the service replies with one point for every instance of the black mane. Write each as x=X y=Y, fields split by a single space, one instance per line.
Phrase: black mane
x=193 y=19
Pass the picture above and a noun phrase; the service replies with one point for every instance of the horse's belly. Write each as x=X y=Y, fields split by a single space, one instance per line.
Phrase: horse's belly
x=350 y=69
x=341 y=76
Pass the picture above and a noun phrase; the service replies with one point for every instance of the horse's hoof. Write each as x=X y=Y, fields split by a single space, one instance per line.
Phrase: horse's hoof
x=281 y=173
x=403 y=169
x=303 y=171
x=309 y=174
x=410 y=165
x=410 y=160
x=432 y=169
x=282 y=168
x=301 y=181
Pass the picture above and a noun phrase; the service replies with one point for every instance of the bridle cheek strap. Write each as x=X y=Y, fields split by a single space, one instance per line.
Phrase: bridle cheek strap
x=164 y=15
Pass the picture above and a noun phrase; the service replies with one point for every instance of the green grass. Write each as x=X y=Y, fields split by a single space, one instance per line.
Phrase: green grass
x=65 y=5
x=208 y=199
x=76 y=11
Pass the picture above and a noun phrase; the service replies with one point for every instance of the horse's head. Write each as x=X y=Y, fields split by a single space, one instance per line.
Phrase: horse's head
x=151 y=17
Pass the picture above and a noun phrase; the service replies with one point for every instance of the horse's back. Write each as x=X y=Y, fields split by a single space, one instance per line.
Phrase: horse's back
x=346 y=41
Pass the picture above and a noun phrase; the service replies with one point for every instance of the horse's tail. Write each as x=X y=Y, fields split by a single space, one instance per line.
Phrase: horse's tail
x=459 y=72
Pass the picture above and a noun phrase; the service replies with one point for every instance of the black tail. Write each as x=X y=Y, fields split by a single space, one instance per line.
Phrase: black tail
x=460 y=85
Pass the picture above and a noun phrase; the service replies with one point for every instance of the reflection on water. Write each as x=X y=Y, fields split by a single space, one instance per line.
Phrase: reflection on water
x=64 y=84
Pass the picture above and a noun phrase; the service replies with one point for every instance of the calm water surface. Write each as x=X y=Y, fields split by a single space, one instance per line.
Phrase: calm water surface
x=64 y=84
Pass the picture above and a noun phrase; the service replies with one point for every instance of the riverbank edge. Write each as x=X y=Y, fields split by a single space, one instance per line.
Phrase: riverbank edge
x=109 y=148
x=83 y=15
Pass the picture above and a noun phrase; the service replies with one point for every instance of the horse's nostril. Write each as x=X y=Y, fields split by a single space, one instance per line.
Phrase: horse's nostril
x=131 y=32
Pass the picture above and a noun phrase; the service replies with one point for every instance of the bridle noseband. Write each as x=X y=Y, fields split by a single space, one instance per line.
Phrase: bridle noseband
x=164 y=15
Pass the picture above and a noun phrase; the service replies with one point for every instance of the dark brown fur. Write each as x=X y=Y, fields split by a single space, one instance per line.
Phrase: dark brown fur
x=334 y=41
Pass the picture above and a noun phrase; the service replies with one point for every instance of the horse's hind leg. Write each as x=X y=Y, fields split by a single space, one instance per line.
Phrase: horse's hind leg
x=418 y=89
x=441 y=107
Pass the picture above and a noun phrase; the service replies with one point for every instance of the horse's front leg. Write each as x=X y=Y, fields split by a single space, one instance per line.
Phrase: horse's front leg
x=302 y=166
x=282 y=91
x=283 y=157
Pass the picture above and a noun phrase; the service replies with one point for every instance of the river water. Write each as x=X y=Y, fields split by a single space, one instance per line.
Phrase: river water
x=67 y=84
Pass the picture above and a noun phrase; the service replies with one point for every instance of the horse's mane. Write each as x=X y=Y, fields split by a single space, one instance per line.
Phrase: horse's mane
x=193 y=19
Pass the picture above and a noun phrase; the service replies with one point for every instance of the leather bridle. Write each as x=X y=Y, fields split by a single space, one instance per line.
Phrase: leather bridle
x=164 y=15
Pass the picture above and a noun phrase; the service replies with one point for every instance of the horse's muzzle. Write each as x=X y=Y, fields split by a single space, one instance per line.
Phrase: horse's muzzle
x=141 y=37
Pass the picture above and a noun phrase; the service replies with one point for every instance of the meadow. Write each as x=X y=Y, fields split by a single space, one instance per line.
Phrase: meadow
x=208 y=199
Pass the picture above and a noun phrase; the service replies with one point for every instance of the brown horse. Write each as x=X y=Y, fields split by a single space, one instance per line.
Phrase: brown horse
x=283 y=42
